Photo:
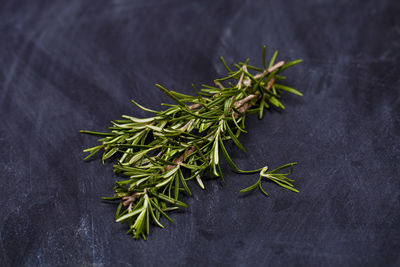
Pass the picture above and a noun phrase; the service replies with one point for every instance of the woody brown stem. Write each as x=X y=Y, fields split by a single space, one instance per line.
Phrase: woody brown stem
x=246 y=106
x=247 y=83
x=129 y=200
x=241 y=78
x=270 y=83
x=194 y=106
x=244 y=100
x=179 y=160
x=269 y=70
x=246 y=103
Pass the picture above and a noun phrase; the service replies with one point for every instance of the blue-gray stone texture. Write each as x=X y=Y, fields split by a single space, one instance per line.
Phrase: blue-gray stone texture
x=71 y=65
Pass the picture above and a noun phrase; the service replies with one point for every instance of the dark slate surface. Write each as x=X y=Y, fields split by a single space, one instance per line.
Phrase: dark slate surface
x=71 y=65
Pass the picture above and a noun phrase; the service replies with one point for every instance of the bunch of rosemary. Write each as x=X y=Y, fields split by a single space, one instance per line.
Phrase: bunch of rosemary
x=159 y=155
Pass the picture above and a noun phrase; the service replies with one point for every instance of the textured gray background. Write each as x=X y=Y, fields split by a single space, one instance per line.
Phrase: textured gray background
x=71 y=65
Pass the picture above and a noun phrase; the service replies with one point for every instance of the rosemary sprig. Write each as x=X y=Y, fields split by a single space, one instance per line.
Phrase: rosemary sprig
x=159 y=155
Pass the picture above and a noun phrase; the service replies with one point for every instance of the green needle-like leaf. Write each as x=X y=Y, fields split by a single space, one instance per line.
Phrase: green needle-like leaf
x=250 y=188
x=264 y=55
x=234 y=138
x=170 y=200
x=129 y=215
x=290 y=64
x=272 y=61
x=225 y=65
x=288 y=89
x=168 y=93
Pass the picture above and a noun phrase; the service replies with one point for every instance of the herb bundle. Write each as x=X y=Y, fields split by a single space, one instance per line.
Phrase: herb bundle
x=161 y=154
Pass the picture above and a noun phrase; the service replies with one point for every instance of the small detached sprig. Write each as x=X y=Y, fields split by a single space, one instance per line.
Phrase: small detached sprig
x=161 y=154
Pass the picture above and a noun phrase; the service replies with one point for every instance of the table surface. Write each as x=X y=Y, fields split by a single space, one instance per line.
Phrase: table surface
x=71 y=65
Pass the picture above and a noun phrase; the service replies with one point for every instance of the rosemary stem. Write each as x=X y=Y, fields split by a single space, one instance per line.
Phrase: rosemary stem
x=188 y=137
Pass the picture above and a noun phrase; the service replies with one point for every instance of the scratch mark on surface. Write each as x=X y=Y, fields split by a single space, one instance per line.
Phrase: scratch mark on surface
x=93 y=247
x=2 y=248
x=226 y=37
x=9 y=79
